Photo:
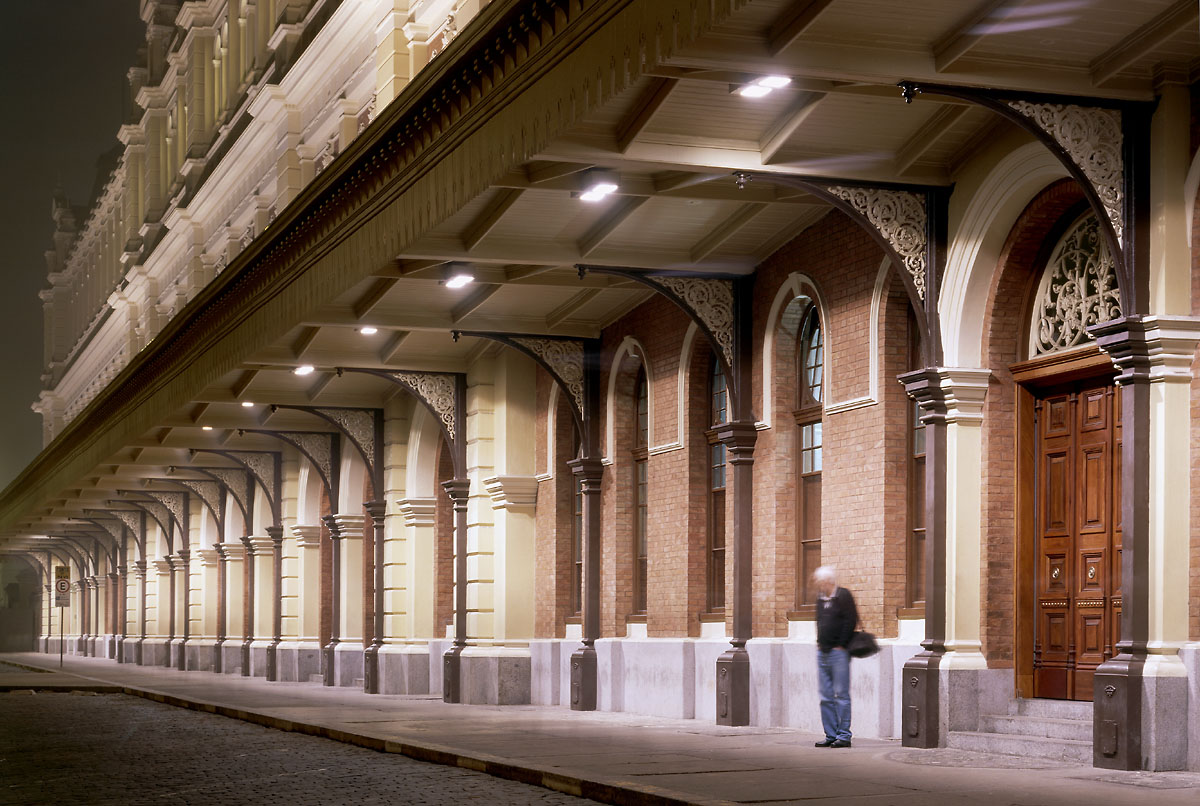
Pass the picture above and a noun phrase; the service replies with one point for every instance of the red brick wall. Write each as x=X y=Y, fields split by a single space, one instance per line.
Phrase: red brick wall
x=1005 y=337
x=553 y=518
x=443 y=547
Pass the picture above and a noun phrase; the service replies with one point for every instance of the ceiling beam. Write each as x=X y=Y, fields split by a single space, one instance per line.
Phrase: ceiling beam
x=563 y=312
x=794 y=22
x=486 y=221
x=786 y=125
x=648 y=104
x=243 y=383
x=608 y=224
x=392 y=346
x=471 y=303
x=545 y=171
x=958 y=41
x=927 y=136
x=727 y=229
x=1144 y=40
x=374 y=296
x=303 y=341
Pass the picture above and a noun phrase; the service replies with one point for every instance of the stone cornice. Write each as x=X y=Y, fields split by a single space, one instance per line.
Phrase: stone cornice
x=512 y=492
x=1160 y=346
x=233 y=552
x=417 y=511
x=953 y=393
x=521 y=73
x=307 y=537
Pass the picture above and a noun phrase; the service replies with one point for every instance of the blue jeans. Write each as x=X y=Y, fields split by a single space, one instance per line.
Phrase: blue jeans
x=833 y=677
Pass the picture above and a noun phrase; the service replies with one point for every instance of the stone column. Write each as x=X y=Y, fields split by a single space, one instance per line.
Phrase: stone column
x=1140 y=694
x=377 y=510
x=349 y=653
x=513 y=499
x=210 y=575
x=235 y=621
x=416 y=550
x=250 y=599
x=459 y=491
x=139 y=572
x=116 y=586
x=262 y=571
x=164 y=609
x=308 y=598
x=275 y=533
x=185 y=566
x=329 y=651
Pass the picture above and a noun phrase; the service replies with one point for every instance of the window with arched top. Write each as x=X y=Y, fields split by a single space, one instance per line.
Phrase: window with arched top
x=1078 y=289
x=810 y=374
x=641 y=443
x=718 y=413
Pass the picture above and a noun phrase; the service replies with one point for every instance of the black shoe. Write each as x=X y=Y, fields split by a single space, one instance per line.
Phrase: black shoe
x=826 y=743
x=840 y=743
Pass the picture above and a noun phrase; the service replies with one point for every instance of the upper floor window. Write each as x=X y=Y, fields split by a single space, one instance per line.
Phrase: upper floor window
x=718 y=414
x=810 y=372
x=641 y=441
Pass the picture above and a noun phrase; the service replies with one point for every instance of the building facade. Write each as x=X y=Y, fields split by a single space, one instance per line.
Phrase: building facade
x=539 y=350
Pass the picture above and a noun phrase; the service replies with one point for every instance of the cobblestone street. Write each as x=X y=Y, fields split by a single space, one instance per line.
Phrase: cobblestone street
x=68 y=748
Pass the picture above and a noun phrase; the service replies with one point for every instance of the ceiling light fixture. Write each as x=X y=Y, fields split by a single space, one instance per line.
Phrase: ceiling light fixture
x=247 y=404
x=206 y=428
x=598 y=184
x=304 y=369
x=367 y=330
x=457 y=275
x=762 y=86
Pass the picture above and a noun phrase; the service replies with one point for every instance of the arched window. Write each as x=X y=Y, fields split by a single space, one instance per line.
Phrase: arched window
x=810 y=372
x=718 y=414
x=641 y=444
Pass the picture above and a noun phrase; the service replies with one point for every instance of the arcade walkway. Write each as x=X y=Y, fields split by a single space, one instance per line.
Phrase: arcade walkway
x=618 y=758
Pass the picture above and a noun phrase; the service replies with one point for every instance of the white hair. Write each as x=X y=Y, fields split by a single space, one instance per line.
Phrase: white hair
x=825 y=573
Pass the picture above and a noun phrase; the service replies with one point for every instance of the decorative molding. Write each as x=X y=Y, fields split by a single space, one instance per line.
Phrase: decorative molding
x=710 y=301
x=1093 y=139
x=209 y=557
x=317 y=447
x=900 y=218
x=261 y=465
x=349 y=526
x=162 y=566
x=132 y=519
x=239 y=483
x=511 y=492
x=1078 y=289
x=172 y=502
x=565 y=359
x=209 y=492
x=437 y=391
x=234 y=551
x=261 y=545
x=417 y=511
x=357 y=424
x=307 y=537
x=1162 y=347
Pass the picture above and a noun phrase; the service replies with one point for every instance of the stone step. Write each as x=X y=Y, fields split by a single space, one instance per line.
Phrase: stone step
x=1067 y=750
x=1055 y=709
x=1042 y=726
x=316 y=678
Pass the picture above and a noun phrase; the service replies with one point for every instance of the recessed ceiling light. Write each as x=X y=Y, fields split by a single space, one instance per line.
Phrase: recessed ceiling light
x=206 y=428
x=459 y=280
x=304 y=369
x=247 y=404
x=763 y=86
x=367 y=330
x=598 y=184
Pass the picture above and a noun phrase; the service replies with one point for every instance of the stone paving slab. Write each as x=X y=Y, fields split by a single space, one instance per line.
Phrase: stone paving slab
x=627 y=758
x=15 y=677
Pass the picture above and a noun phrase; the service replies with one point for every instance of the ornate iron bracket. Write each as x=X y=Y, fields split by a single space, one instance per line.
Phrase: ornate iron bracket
x=265 y=467
x=176 y=505
x=444 y=394
x=152 y=507
x=572 y=363
x=210 y=493
x=363 y=427
x=1103 y=144
x=134 y=520
x=322 y=449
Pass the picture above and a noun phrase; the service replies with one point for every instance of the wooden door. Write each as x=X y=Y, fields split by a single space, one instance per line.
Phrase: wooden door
x=1078 y=536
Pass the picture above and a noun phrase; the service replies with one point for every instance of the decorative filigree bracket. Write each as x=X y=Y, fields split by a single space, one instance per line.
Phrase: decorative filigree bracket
x=266 y=467
x=363 y=427
x=1094 y=139
x=152 y=507
x=239 y=483
x=565 y=359
x=210 y=494
x=322 y=449
x=134 y=520
x=444 y=394
x=176 y=505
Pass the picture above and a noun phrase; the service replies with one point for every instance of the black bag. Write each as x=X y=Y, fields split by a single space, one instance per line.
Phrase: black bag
x=862 y=644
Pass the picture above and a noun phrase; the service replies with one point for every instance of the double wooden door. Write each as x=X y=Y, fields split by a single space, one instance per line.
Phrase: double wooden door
x=1078 y=537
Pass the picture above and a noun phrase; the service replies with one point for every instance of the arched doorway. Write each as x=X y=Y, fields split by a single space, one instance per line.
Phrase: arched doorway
x=1068 y=468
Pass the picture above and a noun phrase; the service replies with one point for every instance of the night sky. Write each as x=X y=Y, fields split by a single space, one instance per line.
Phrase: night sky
x=63 y=86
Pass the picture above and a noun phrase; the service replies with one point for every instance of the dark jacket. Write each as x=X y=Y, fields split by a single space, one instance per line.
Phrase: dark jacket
x=836 y=619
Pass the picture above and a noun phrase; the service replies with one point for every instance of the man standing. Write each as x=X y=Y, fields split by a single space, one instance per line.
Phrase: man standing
x=836 y=619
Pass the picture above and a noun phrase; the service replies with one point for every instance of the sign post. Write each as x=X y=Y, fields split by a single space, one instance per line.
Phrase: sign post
x=62 y=598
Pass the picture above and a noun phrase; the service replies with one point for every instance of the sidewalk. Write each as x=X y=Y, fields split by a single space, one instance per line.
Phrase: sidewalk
x=626 y=758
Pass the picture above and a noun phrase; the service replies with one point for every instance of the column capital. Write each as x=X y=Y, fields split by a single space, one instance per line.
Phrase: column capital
x=232 y=551
x=261 y=545
x=377 y=510
x=588 y=468
x=209 y=557
x=458 y=489
x=955 y=394
x=139 y=569
x=162 y=566
x=307 y=537
x=738 y=437
x=511 y=492
x=348 y=526
x=1153 y=347
x=417 y=511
